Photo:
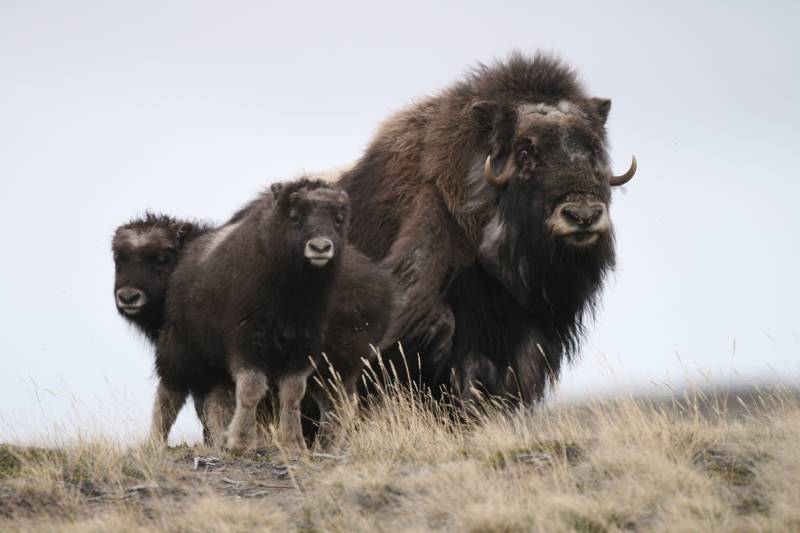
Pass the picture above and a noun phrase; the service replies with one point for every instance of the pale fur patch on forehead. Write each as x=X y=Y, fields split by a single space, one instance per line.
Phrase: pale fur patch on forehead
x=324 y=195
x=530 y=114
x=133 y=238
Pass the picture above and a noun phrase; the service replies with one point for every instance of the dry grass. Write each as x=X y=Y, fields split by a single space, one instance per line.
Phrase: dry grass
x=407 y=464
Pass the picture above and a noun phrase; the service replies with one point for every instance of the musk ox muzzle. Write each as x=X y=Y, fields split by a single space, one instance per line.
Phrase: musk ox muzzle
x=319 y=251
x=580 y=223
x=130 y=300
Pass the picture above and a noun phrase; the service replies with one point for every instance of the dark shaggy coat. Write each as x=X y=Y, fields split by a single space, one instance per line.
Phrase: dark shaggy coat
x=146 y=251
x=245 y=298
x=247 y=291
x=489 y=296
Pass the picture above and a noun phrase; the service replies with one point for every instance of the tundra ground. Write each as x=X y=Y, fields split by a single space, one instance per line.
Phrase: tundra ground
x=694 y=462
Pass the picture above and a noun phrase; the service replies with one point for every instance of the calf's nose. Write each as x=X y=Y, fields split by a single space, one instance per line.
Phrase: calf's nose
x=320 y=245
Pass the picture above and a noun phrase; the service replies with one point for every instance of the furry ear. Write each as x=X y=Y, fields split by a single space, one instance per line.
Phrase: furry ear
x=183 y=231
x=601 y=106
x=279 y=196
x=497 y=124
x=484 y=114
x=276 y=189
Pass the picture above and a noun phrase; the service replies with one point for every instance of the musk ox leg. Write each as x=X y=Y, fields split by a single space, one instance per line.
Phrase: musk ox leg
x=167 y=405
x=420 y=260
x=475 y=377
x=251 y=386
x=291 y=389
x=433 y=336
x=533 y=363
x=218 y=408
x=327 y=433
x=199 y=409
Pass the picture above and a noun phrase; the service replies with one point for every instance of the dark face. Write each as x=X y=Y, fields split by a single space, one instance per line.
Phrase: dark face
x=315 y=225
x=143 y=263
x=549 y=219
x=551 y=166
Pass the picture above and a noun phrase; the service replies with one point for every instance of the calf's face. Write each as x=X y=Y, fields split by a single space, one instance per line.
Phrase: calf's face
x=314 y=223
x=144 y=260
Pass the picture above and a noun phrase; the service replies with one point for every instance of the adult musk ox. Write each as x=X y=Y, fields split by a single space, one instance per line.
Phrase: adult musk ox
x=249 y=303
x=490 y=204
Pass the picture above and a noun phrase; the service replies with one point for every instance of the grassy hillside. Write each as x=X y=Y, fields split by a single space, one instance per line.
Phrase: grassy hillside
x=694 y=463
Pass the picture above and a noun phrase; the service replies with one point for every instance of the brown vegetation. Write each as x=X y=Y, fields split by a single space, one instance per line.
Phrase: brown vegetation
x=700 y=462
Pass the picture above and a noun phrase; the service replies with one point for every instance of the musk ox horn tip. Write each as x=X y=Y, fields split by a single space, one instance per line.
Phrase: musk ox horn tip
x=622 y=179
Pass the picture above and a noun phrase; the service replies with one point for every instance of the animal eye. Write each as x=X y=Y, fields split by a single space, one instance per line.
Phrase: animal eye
x=339 y=218
x=162 y=259
x=294 y=216
x=526 y=150
x=526 y=159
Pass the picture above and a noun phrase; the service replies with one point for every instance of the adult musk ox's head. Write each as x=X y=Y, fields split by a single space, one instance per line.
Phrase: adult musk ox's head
x=311 y=218
x=555 y=157
x=146 y=252
x=550 y=227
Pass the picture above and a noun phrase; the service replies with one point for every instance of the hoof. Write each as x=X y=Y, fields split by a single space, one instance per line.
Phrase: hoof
x=241 y=441
x=294 y=447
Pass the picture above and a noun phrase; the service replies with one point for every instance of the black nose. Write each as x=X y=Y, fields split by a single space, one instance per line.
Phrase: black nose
x=320 y=245
x=582 y=215
x=129 y=296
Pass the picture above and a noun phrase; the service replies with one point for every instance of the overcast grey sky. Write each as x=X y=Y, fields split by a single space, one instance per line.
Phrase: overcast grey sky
x=108 y=109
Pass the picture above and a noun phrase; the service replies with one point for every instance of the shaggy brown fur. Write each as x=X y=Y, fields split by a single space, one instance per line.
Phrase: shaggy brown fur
x=360 y=311
x=493 y=291
x=249 y=304
x=146 y=251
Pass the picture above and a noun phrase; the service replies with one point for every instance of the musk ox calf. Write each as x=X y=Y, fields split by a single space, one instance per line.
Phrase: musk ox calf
x=249 y=303
x=146 y=251
x=360 y=311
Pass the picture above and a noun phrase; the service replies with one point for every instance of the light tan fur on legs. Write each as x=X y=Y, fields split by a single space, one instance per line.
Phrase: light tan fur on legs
x=218 y=409
x=291 y=390
x=167 y=405
x=251 y=386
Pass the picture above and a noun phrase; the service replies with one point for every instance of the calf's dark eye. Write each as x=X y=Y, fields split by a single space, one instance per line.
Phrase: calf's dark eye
x=162 y=259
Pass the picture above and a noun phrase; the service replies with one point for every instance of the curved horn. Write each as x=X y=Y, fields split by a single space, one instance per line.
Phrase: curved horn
x=624 y=178
x=498 y=182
